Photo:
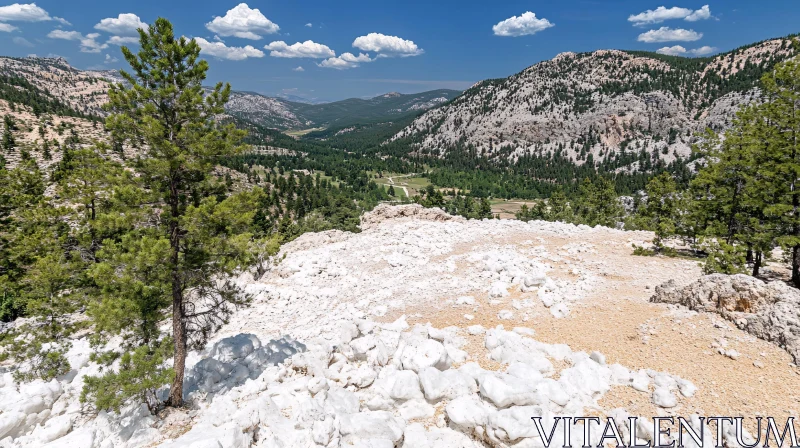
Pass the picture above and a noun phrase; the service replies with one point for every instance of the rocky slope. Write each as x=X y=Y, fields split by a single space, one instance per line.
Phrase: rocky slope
x=427 y=331
x=83 y=91
x=601 y=103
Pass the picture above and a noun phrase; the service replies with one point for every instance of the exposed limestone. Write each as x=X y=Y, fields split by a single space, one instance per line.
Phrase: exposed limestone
x=770 y=311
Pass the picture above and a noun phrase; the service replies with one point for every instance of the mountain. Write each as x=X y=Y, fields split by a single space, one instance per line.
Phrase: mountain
x=599 y=105
x=283 y=114
x=300 y=99
x=53 y=80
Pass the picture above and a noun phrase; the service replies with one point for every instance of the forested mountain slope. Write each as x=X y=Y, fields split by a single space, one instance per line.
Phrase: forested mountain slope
x=282 y=114
x=598 y=106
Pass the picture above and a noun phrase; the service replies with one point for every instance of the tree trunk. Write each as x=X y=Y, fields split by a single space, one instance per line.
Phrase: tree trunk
x=757 y=263
x=178 y=314
x=179 y=357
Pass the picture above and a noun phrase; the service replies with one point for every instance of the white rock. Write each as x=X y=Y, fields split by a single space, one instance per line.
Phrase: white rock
x=664 y=398
x=380 y=425
x=465 y=300
x=475 y=330
x=419 y=353
x=468 y=412
x=54 y=428
x=449 y=384
x=505 y=315
x=498 y=290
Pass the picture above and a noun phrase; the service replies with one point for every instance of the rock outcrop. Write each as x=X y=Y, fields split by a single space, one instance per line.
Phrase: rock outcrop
x=769 y=311
x=385 y=212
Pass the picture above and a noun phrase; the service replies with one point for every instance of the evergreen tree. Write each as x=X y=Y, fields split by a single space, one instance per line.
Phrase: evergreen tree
x=199 y=239
x=598 y=204
x=660 y=212
x=8 y=143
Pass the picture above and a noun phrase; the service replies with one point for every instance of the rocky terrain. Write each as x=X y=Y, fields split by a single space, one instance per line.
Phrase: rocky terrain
x=83 y=91
x=603 y=103
x=426 y=330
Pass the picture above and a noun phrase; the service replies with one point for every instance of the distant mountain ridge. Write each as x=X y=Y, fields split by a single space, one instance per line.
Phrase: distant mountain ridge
x=85 y=91
x=284 y=114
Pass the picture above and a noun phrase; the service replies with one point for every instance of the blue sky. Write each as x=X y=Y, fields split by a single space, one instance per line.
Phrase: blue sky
x=352 y=48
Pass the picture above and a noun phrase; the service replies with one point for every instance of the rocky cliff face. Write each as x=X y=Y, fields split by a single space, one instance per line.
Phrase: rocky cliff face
x=601 y=103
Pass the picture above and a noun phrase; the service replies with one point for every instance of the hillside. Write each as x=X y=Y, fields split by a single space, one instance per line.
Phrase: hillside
x=283 y=114
x=54 y=80
x=599 y=105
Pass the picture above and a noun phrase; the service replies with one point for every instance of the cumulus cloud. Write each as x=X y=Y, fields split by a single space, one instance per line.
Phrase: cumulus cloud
x=345 y=61
x=387 y=46
x=676 y=50
x=666 y=34
x=6 y=28
x=110 y=59
x=661 y=14
x=298 y=69
x=679 y=50
x=243 y=22
x=704 y=51
x=27 y=13
x=123 y=40
x=309 y=25
x=524 y=25
x=222 y=51
x=124 y=25
x=703 y=13
x=65 y=35
x=307 y=49
x=21 y=41
x=89 y=43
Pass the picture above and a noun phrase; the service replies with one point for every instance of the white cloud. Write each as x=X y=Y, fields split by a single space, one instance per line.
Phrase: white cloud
x=299 y=69
x=307 y=49
x=124 y=25
x=345 y=61
x=678 y=50
x=6 y=28
x=223 y=51
x=703 y=13
x=88 y=42
x=309 y=25
x=704 y=51
x=661 y=14
x=64 y=35
x=387 y=46
x=525 y=24
x=110 y=59
x=26 y=13
x=666 y=34
x=243 y=22
x=21 y=41
x=123 y=40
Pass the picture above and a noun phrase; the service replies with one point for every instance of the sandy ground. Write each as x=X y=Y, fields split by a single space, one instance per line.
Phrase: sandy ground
x=617 y=319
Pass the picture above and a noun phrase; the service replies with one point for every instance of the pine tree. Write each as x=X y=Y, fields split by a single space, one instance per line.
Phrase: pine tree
x=598 y=204
x=199 y=239
x=8 y=143
x=781 y=164
x=660 y=212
